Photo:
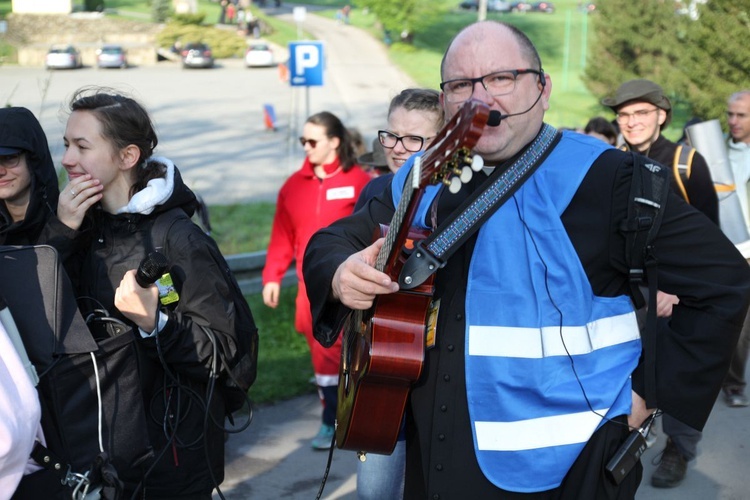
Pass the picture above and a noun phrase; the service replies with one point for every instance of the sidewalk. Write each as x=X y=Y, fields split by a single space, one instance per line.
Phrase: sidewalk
x=273 y=459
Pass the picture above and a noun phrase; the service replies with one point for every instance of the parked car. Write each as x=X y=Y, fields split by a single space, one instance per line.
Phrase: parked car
x=546 y=7
x=520 y=7
x=111 y=56
x=63 y=57
x=492 y=5
x=197 y=55
x=259 y=55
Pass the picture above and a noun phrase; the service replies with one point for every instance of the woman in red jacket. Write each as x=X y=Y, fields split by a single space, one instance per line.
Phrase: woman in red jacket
x=322 y=191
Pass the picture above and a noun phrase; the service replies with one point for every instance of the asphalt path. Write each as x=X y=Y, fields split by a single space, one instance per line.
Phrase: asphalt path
x=210 y=121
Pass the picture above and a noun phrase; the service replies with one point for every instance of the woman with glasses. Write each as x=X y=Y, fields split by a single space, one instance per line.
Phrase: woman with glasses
x=414 y=119
x=28 y=182
x=321 y=192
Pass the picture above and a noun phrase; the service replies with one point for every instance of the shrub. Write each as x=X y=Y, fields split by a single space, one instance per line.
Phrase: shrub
x=187 y=19
x=223 y=43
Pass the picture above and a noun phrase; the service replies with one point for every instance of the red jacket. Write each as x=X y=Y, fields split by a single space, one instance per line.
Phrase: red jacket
x=304 y=205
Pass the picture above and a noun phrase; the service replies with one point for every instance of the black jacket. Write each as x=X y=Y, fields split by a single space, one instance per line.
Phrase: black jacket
x=118 y=243
x=20 y=129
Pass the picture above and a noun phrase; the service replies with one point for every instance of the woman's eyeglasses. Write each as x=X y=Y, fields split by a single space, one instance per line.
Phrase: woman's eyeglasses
x=304 y=141
x=10 y=161
x=411 y=143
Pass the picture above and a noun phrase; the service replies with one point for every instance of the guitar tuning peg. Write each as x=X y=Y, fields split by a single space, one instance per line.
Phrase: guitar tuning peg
x=455 y=185
x=466 y=174
x=477 y=163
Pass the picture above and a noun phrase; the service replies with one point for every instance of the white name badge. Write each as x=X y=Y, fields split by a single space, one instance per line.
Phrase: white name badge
x=340 y=193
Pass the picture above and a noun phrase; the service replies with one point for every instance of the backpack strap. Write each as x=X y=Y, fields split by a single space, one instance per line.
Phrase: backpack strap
x=163 y=223
x=682 y=166
x=648 y=194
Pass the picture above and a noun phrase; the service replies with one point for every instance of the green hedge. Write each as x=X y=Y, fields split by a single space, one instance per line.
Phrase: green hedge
x=224 y=43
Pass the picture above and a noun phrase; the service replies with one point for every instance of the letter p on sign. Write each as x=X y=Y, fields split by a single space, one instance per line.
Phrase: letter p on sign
x=306 y=63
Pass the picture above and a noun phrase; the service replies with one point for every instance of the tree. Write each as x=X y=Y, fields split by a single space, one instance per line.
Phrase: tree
x=160 y=10
x=699 y=62
x=403 y=18
x=93 y=5
x=634 y=39
x=716 y=61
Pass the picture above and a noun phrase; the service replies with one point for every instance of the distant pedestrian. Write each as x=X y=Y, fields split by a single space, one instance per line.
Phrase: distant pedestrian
x=738 y=144
x=602 y=129
x=321 y=192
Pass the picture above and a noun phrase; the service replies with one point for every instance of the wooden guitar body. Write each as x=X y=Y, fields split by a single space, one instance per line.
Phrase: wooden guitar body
x=378 y=365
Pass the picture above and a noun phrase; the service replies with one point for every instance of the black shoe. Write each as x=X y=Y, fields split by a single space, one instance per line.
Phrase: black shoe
x=672 y=468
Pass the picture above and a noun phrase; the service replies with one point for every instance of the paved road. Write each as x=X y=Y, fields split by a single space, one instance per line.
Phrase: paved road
x=210 y=122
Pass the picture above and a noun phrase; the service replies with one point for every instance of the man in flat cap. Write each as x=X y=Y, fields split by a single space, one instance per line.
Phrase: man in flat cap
x=643 y=111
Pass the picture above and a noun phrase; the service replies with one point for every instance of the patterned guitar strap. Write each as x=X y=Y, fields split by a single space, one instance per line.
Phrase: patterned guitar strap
x=432 y=253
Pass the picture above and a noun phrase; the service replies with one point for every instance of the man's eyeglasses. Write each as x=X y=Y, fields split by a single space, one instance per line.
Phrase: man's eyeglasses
x=639 y=115
x=304 y=141
x=496 y=84
x=411 y=143
x=10 y=161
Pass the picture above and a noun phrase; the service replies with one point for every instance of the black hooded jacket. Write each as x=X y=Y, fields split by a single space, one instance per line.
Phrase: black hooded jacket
x=116 y=243
x=20 y=129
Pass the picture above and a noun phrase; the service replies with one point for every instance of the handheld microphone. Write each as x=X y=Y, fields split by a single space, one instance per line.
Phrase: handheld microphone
x=151 y=269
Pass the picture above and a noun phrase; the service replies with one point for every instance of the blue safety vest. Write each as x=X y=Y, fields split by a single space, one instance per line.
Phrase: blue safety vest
x=536 y=333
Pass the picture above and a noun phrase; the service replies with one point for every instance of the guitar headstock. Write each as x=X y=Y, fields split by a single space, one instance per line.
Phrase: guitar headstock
x=447 y=159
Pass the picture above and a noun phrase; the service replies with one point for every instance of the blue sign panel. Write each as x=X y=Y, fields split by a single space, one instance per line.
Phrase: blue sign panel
x=306 y=64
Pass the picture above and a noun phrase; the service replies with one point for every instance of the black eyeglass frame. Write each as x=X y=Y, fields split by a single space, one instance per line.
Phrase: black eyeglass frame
x=480 y=79
x=397 y=138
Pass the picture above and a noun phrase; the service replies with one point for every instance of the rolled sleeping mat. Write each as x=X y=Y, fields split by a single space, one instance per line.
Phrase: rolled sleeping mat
x=707 y=138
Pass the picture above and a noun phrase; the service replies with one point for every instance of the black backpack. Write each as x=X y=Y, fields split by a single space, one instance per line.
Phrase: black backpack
x=236 y=375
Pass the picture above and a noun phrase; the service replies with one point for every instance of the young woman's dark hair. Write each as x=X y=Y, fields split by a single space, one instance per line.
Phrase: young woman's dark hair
x=334 y=128
x=124 y=122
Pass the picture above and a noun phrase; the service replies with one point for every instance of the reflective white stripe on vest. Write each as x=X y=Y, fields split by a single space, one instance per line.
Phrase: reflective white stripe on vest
x=513 y=342
x=540 y=432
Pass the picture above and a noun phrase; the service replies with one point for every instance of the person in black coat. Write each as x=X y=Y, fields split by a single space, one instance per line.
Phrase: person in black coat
x=109 y=141
x=696 y=262
x=28 y=181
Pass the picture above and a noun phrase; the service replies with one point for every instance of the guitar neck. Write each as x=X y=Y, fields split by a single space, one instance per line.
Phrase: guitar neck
x=399 y=222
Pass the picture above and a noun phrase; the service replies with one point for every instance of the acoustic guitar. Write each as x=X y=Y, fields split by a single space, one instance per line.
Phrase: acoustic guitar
x=383 y=347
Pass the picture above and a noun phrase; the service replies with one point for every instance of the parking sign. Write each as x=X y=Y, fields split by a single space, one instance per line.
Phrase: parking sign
x=306 y=64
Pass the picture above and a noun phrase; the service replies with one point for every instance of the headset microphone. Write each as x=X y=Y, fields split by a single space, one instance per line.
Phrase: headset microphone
x=496 y=117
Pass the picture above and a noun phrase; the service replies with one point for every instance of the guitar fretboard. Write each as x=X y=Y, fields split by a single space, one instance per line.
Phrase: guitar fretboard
x=398 y=217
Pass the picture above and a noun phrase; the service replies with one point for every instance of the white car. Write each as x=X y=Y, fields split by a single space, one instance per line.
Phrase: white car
x=259 y=55
x=63 y=57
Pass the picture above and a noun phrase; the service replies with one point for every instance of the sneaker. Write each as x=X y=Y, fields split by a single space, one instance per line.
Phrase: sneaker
x=324 y=438
x=736 y=399
x=672 y=468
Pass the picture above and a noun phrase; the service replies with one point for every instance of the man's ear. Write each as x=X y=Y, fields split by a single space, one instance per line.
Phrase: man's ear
x=662 y=117
x=129 y=157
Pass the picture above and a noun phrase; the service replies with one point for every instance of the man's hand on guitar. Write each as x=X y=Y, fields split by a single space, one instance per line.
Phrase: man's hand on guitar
x=356 y=282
